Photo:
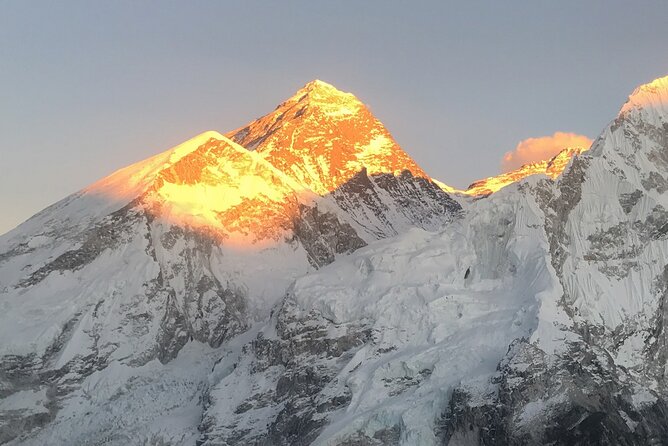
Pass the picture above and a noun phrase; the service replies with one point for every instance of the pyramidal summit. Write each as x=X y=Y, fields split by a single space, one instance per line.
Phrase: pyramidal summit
x=301 y=280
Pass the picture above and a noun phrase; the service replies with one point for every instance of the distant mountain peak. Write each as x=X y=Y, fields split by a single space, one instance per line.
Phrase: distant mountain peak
x=319 y=86
x=652 y=95
x=551 y=167
x=317 y=83
x=322 y=137
x=326 y=98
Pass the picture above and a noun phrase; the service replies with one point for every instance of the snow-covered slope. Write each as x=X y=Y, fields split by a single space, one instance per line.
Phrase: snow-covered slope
x=598 y=377
x=377 y=341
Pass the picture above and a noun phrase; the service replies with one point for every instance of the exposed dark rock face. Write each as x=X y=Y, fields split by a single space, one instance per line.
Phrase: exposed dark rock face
x=419 y=200
x=578 y=398
x=111 y=232
x=385 y=204
x=323 y=236
x=557 y=208
x=656 y=344
x=385 y=437
x=301 y=362
x=655 y=181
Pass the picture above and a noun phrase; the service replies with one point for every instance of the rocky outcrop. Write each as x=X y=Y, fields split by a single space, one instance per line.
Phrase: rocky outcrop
x=578 y=398
x=323 y=236
x=552 y=167
x=299 y=368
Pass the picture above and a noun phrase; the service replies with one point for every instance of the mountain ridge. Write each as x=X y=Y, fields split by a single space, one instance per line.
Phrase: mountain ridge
x=552 y=167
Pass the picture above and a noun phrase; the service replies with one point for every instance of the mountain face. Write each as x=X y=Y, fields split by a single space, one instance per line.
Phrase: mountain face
x=593 y=370
x=271 y=288
x=136 y=284
x=537 y=318
x=322 y=137
x=552 y=168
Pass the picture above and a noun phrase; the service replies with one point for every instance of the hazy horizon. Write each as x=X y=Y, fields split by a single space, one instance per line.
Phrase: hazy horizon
x=90 y=88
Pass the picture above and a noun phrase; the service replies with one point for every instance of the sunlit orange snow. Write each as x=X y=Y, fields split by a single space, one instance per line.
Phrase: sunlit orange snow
x=310 y=145
x=222 y=185
x=321 y=137
x=247 y=187
x=551 y=167
x=212 y=184
x=653 y=94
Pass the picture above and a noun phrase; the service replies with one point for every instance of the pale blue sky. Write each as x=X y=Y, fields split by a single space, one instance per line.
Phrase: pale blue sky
x=87 y=87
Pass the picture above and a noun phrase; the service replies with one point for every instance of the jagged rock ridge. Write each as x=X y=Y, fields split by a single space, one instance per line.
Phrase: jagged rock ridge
x=552 y=167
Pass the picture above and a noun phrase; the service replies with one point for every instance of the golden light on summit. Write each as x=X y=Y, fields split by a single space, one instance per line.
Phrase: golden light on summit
x=214 y=185
x=230 y=190
x=321 y=137
x=653 y=94
x=246 y=188
x=552 y=167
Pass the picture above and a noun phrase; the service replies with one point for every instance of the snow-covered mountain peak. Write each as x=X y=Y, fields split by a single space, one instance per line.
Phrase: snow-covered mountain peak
x=551 y=167
x=639 y=134
x=317 y=84
x=329 y=99
x=649 y=99
x=646 y=106
x=208 y=182
x=558 y=162
x=225 y=188
x=135 y=179
x=322 y=137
